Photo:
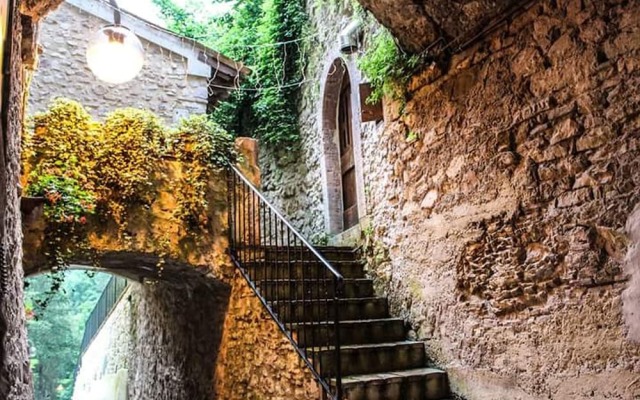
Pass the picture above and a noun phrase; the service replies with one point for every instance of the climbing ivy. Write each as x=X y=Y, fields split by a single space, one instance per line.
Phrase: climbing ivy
x=84 y=168
x=126 y=160
x=255 y=33
x=387 y=67
x=200 y=143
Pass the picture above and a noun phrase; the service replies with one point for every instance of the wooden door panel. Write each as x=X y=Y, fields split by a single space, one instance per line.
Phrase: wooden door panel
x=347 y=162
x=347 y=159
x=349 y=184
x=351 y=217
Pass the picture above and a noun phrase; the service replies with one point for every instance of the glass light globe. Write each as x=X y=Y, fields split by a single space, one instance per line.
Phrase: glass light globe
x=115 y=55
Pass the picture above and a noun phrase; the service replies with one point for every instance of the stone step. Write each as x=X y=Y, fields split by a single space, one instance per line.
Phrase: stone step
x=324 y=310
x=351 y=332
x=288 y=289
x=260 y=269
x=329 y=253
x=413 y=384
x=370 y=358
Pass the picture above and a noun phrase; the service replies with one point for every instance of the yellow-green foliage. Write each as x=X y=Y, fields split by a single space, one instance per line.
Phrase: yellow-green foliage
x=64 y=138
x=131 y=145
x=82 y=166
x=199 y=143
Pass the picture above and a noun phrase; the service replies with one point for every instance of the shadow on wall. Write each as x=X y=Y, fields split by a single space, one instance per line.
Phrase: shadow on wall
x=178 y=331
x=631 y=296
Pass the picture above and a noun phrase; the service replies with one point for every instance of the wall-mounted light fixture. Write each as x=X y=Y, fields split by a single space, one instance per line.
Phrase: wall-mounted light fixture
x=115 y=54
x=350 y=37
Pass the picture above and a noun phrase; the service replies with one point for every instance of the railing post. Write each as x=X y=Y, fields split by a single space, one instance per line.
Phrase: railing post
x=230 y=207
x=339 y=289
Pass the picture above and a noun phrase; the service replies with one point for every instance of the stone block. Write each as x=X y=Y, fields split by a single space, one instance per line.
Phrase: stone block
x=547 y=173
x=430 y=199
x=595 y=138
x=574 y=198
x=527 y=62
x=550 y=153
x=566 y=129
x=561 y=48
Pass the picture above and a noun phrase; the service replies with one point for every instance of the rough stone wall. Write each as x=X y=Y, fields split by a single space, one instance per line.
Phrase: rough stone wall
x=419 y=24
x=104 y=366
x=256 y=361
x=163 y=86
x=177 y=332
x=504 y=222
x=200 y=341
x=15 y=375
x=499 y=233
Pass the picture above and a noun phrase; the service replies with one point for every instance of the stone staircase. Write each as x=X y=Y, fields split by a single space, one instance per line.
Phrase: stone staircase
x=377 y=360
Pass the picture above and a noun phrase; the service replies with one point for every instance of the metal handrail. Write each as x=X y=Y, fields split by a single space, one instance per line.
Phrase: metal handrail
x=315 y=252
x=108 y=300
x=298 y=300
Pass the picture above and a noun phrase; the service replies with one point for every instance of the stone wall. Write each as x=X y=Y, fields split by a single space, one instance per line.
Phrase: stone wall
x=164 y=86
x=256 y=361
x=177 y=331
x=15 y=375
x=104 y=366
x=294 y=180
x=204 y=340
x=499 y=233
x=631 y=296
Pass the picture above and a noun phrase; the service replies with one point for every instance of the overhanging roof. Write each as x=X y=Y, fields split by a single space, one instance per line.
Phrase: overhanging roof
x=202 y=61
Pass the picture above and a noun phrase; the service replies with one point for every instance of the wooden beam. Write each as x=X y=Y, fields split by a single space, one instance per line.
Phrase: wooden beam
x=369 y=112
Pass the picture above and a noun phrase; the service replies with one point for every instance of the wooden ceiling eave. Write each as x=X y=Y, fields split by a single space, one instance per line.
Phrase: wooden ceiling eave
x=224 y=65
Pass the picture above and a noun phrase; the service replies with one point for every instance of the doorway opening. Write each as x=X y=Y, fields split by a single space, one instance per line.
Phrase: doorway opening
x=340 y=162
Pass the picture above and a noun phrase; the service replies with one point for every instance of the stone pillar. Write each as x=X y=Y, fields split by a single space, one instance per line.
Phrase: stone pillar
x=15 y=374
x=178 y=329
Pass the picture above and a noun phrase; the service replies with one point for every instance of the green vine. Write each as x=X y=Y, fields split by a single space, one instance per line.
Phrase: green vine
x=203 y=146
x=266 y=105
x=387 y=67
x=67 y=201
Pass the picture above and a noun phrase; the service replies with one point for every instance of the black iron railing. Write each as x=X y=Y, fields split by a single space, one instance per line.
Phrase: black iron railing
x=299 y=288
x=102 y=310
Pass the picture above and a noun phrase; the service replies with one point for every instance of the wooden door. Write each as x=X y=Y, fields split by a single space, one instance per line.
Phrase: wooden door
x=347 y=160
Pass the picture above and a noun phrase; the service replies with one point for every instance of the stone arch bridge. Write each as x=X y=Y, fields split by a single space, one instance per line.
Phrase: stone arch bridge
x=184 y=321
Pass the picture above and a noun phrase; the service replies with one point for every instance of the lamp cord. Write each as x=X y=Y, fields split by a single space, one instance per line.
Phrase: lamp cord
x=117 y=18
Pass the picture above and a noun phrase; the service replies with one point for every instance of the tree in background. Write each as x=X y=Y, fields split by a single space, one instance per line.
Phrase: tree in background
x=268 y=36
x=56 y=327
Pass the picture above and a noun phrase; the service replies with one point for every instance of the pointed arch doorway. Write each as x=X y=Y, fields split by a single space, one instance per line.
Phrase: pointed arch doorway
x=344 y=198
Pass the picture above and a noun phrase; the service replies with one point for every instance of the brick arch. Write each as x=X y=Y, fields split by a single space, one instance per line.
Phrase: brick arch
x=338 y=69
